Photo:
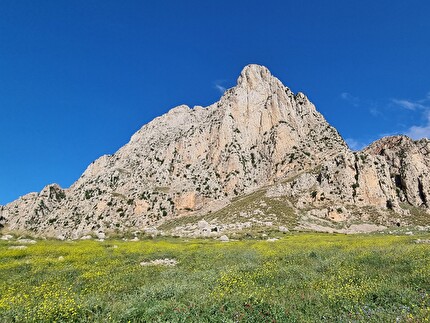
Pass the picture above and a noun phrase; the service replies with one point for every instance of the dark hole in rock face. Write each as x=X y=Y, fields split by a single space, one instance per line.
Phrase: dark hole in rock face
x=423 y=196
x=398 y=224
x=2 y=222
x=398 y=181
x=389 y=204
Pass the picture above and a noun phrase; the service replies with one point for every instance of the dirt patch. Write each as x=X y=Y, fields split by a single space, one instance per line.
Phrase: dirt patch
x=160 y=262
x=354 y=228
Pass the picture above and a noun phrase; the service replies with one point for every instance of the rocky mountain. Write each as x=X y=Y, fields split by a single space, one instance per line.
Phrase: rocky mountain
x=260 y=156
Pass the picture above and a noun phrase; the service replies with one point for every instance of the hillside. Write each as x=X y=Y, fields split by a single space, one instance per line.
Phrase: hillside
x=261 y=156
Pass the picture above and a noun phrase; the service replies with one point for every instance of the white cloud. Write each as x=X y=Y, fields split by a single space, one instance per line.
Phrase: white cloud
x=375 y=112
x=422 y=105
x=408 y=104
x=344 y=95
x=218 y=85
x=355 y=144
x=353 y=100
x=418 y=132
x=220 y=88
x=389 y=134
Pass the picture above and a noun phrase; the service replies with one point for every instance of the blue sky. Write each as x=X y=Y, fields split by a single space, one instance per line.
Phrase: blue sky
x=78 y=78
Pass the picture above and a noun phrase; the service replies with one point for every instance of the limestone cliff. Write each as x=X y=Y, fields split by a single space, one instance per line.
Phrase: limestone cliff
x=192 y=161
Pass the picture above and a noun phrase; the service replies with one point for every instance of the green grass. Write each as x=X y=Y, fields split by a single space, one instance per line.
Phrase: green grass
x=299 y=278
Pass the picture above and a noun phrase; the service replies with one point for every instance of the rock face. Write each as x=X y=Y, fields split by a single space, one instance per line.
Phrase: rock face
x=192 y=161
x=409 y=164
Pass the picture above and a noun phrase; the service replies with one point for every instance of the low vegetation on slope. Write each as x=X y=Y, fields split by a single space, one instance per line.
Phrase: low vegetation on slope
x=298 y=278
x=253 y=212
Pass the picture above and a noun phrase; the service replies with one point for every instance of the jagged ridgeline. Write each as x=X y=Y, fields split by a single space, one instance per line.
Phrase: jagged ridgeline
x=260 y=156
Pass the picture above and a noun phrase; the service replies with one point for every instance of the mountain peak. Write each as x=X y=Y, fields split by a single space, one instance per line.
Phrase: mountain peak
x=255 y=69
x=259 y=136
x=254 y=74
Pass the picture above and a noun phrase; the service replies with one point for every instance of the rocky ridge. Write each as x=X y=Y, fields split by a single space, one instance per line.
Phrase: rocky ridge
x=260 y=143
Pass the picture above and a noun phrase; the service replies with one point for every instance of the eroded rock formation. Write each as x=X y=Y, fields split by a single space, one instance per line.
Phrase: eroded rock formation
x=195 y=160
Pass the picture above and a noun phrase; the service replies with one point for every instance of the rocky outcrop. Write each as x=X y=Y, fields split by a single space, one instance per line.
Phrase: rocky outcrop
x=191 y=161
x=409 y=164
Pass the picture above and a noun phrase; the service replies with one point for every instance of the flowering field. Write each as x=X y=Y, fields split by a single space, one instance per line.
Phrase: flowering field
x=299 y=278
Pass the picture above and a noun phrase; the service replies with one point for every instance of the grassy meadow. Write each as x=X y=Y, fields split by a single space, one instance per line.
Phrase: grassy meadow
x=302 y=277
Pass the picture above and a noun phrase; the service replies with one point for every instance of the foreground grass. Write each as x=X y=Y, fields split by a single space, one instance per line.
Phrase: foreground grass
x=300 y=278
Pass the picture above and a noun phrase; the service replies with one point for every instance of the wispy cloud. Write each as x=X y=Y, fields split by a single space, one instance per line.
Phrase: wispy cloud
x=353 y=100
x=422 y=104
x=218 y=85
x=391 y=133
x=220 y=88
x=409 y=104
x=363 y=103
x=375 y=112
x=418 y=132
x=413 y=121
x=354 y=144
x=423 y=107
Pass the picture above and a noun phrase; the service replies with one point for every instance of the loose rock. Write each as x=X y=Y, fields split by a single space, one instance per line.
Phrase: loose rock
x=224 y=238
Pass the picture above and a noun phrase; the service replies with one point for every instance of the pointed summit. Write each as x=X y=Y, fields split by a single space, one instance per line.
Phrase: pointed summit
x=254 y=71
x=254 y=75
x=194 y=161
x=188 y=160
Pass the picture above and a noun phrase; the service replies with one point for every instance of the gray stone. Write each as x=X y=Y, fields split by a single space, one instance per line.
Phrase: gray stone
x=283 y=229
x=224 y=238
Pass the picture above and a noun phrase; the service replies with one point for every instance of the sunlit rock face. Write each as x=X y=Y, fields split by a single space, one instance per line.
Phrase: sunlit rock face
x=195 y=160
